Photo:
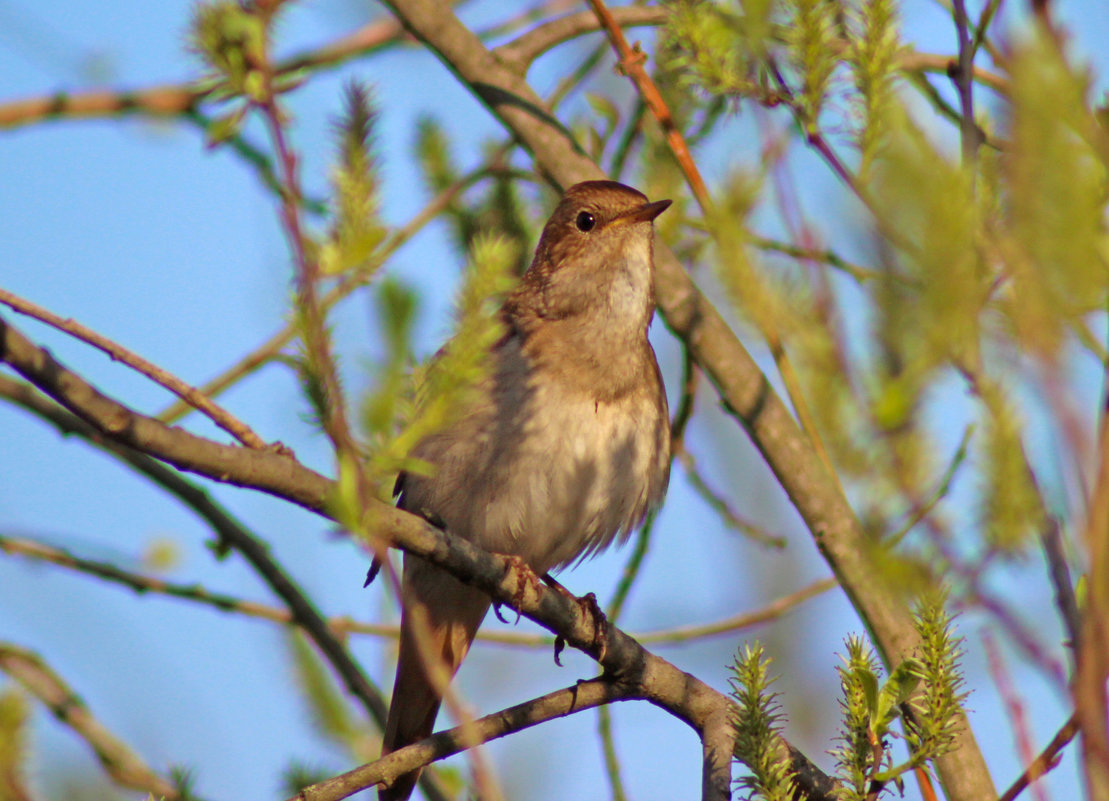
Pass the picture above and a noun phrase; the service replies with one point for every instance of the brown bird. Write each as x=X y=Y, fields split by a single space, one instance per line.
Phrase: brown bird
x=566 y=449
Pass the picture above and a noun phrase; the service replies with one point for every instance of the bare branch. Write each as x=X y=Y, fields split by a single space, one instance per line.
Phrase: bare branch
x=1059 y=571
x=1047 y=759
x=631 y=64
x=122 y=763
x=577 y=698
x=963 y=75
x=230 y=531
x=221 y=417
x=276 y=473
x=528 y=46
x=171 y=100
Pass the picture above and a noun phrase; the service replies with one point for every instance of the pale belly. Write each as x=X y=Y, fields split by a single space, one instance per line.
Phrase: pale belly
x=550 y=486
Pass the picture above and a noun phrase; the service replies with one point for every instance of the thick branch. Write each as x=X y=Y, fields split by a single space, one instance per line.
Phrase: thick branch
x=746 y=392
x=230 y=532
x=301 y=611
x=268 y=471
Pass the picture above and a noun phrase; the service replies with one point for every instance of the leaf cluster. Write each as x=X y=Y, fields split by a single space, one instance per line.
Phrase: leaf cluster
x=757 y=719
x=925 y=691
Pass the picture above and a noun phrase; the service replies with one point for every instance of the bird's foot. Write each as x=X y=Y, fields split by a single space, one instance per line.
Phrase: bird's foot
x=589 y=607
x=525 y=578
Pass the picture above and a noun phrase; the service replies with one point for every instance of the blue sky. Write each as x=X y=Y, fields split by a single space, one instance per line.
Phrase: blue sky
x=138 y=231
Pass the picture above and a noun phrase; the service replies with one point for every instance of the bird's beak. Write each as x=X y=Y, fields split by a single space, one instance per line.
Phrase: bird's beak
x=644 y=213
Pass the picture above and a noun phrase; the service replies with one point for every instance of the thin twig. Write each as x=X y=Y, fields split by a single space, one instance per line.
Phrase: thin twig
x=221 y=417
x=921 y=510
x=171 y=100
x=964 y=82
x=531 y=44
x=1014 y=707
x=829 y=257
x=771 y=611
x=40 y=551
x=684 y=413
x=576 y=698
x=615 y=608
x=316 y=341
x=719 y=504
x=255 y=157
x=1046 y=761
x=631 y=62
x=118 y=759
x=344 y=626
x=984 y=20
x=1059 y=572
x=608 y=753
x=920 y=81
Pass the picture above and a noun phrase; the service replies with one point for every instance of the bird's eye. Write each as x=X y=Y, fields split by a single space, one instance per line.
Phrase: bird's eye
x=585 y=221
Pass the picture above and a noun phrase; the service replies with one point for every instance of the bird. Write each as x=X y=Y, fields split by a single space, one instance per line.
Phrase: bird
x=564 y=449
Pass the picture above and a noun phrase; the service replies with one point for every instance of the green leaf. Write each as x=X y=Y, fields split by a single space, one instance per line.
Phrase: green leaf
x=224 y=127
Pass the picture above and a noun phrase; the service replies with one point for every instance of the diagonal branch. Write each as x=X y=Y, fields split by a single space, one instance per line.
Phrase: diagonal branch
x=578 y=698
x=229 y=530
x=120 y=762
x=220 y=416
x=342 y=626
x=268 y=471
x=531 y=44
x=170 y=100
x=300 y=610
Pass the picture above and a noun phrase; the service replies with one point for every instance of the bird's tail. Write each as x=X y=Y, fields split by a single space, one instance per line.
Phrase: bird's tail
x=440 y=617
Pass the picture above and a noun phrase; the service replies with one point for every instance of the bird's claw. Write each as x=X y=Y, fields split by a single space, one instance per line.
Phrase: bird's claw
x=375 y=568
x=589 y=606
x=525 y=578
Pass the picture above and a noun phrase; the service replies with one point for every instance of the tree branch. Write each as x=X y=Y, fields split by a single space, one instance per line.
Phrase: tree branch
x=230 y=532
x=220 y=416
x=268 y=471
x=125 y=766
x=1047 y=759
x=533 y=43
x=171 y=100
x=300 y=610
x=577 y=698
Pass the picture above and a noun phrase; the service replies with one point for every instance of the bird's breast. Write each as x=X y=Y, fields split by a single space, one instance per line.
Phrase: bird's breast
x=545 y=471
